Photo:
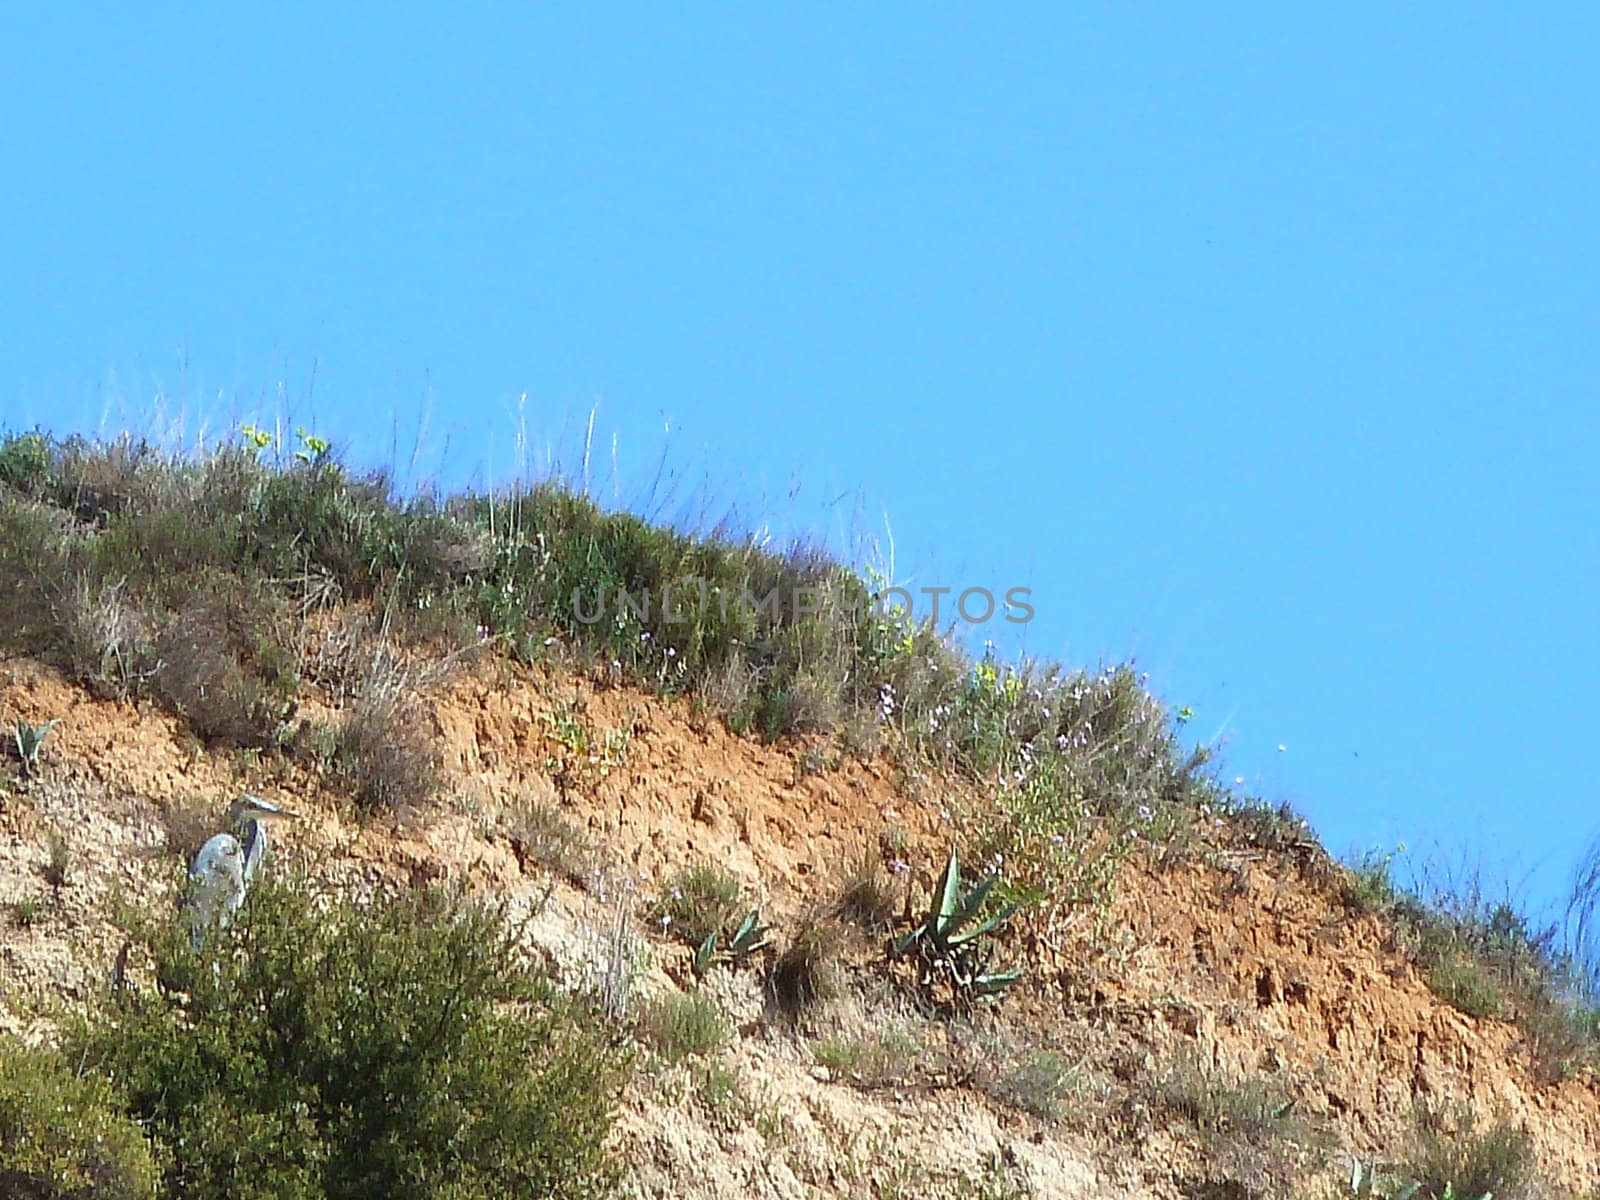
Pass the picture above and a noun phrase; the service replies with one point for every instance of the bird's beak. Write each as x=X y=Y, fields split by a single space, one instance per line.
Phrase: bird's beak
x=266 y=808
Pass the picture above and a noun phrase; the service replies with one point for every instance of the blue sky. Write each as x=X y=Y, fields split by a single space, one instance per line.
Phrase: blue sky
x=1260 y=344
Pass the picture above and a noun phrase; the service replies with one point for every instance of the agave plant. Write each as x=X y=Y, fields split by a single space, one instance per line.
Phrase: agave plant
x=947 y=937
x=747 y=939
x=28 y=738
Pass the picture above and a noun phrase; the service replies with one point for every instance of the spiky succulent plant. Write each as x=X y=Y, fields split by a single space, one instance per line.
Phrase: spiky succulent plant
x=947 y=938
x=747 y=939
x=28 y=738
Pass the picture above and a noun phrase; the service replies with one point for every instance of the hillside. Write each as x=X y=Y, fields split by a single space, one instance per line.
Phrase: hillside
x=1208 y=1006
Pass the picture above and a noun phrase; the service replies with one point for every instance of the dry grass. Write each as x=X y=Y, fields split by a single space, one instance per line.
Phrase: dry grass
x=188 y=824
x=383 y=754
x=540 y=834
x=868 y=897
x=806 y=972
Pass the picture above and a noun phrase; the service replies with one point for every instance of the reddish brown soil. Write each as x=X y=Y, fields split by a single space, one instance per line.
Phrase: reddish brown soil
x=1241 y=962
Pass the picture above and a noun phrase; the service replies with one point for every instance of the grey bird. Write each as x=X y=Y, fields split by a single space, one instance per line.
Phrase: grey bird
x=222 y=872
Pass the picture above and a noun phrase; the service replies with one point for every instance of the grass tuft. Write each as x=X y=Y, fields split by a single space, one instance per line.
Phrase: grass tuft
x=806 y=972
x=1461 y=1162
x=684 y=1024
x=699 y=900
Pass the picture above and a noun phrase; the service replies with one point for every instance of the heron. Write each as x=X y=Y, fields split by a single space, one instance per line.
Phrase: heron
x=222 y=872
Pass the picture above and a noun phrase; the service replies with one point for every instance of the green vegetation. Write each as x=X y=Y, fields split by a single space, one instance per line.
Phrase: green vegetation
x=28 y=740
x=1464 y=1163
x=887 y=1056
x=1249 y=1130
x=1481 y=956
x=700 y=901
x=1459 y=1165
x=947 y=939
x=398 y=1047
x=215 y=584
x=749 y=937
x=684 y=1024
x=190 y=578
x=62 y=1136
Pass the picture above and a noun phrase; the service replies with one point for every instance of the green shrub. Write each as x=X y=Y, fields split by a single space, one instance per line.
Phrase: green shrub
x=682 y=1024
x=24 y=461
x=1462 y=982
x=398 y=1047
x=61 y=1137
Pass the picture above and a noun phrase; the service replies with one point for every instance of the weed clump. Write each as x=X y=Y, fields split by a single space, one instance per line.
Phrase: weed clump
x=868 y=897
x=1463 y=1162
x=382 y=755
x=806 y=972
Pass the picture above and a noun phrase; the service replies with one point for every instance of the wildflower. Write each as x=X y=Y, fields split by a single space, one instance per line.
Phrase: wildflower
x=1145 y=813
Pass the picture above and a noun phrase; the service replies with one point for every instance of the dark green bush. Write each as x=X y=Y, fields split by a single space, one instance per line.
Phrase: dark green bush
x=61 y=1137
x=393 y=1047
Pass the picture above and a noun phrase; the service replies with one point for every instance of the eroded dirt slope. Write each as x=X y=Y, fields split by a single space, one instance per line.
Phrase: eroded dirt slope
x=1235 y=965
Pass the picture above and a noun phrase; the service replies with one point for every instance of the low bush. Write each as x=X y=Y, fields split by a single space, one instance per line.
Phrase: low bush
x=61 y=1135
x=398 y=1047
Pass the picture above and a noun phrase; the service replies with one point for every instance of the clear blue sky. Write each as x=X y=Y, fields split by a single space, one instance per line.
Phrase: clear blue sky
x=1261 y=345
